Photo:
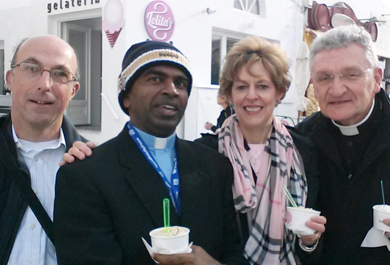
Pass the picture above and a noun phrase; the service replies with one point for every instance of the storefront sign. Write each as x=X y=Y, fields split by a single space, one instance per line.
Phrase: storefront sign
x=159 y=21
x=65 y=4
x=113 y=20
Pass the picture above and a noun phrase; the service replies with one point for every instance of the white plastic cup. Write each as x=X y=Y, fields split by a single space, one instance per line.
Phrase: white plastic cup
x=381 y=212
x=170 y=245
x=296 y=217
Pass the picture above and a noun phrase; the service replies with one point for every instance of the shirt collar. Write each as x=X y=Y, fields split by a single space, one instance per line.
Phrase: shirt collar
x=27 y=145
x=352 y=130
x=153 y=142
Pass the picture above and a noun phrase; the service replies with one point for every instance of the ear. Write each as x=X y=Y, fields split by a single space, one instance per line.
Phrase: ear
x=75 y=89
x=230 y=99
x=126 y=101
x=314 y=88
x=280 y=95
x=8 y=79
x=378 y=75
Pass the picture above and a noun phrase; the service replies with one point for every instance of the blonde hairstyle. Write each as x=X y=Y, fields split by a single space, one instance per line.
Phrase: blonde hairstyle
x=249 y=51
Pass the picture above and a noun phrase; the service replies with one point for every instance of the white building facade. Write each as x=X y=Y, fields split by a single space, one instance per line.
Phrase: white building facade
x=102 y=30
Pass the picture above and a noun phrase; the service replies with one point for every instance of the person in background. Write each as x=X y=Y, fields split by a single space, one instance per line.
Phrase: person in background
x=225 y=113
x=255 y=79
x=348 y=146
x=33 y=139
x=107 y=202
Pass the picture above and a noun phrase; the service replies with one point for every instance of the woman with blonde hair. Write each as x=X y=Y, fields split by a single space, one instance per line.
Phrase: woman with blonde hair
x=264 y=159
x=263 y=155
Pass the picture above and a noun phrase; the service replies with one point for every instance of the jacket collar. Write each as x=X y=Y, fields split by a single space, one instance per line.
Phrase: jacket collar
x=70 y=133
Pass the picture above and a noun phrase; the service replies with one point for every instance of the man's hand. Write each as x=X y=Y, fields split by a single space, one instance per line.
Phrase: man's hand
x=197 y=257
x=317 y=223
x=78 y=150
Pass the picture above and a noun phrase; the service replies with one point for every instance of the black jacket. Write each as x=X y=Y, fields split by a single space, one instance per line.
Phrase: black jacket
x=107 y=202
x=344 y=175
x=222 y=117
x=12 y=203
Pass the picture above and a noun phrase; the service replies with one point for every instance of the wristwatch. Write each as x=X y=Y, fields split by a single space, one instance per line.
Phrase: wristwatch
x=306 y=248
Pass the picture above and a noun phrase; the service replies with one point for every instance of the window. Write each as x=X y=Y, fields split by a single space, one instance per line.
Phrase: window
x=215 y=59
x=85 y=37
x=221 y=44
x=251 y=6
x=83 y=31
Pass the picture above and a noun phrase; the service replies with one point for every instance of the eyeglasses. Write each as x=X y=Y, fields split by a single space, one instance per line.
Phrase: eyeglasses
x=351 y=75
x=34 y=71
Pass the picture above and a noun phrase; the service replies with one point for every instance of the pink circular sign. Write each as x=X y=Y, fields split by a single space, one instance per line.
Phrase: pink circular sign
x=159 y=21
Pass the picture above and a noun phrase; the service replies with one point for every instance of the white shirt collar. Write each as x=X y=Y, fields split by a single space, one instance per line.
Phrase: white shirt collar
x=154 y=142
x=38 y=146
x=160 y=143
x=352 y=130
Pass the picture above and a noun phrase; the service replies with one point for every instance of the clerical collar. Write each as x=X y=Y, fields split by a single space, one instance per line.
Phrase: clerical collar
x=153 y=142
x=352 y=130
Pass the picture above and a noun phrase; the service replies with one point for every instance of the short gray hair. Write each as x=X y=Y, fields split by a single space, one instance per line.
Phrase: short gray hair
x=343 y=36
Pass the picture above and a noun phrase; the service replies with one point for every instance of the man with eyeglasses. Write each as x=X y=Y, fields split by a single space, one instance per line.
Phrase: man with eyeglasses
x=33 y=139
x=346 y=147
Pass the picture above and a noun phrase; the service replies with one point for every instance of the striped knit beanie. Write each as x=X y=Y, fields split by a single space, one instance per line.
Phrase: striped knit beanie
x=144 y=55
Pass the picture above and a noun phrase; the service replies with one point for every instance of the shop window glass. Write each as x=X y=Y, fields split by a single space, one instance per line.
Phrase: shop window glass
x=221 y=44
x=215 y=59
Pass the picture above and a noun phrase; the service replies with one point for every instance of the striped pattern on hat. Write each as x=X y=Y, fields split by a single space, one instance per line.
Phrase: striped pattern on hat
x=158 y=55
x=141 y=56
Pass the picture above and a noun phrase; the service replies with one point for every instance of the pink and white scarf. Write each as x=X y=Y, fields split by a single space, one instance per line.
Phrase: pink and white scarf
x=265 y=203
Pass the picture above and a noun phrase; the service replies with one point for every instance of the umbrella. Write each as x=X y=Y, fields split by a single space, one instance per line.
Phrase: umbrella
x=302 y=76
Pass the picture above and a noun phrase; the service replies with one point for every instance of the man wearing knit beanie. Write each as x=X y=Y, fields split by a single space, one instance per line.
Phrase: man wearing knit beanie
x=106 y=203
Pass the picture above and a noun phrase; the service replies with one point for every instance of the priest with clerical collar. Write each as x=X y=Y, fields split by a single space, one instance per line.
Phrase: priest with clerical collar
x=106 y=203
x=346 y=148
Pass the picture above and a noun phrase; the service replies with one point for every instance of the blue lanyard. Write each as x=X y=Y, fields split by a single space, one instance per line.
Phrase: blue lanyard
x=173 y=187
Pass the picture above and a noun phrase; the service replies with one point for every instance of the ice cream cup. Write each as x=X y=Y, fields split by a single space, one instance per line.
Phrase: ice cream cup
x=381 y=211
x=296 y=217
x=166 y=242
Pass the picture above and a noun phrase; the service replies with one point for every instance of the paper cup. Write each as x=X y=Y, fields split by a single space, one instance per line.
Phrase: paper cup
x=167 y=244
x=381 y=212
x=296 y=217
